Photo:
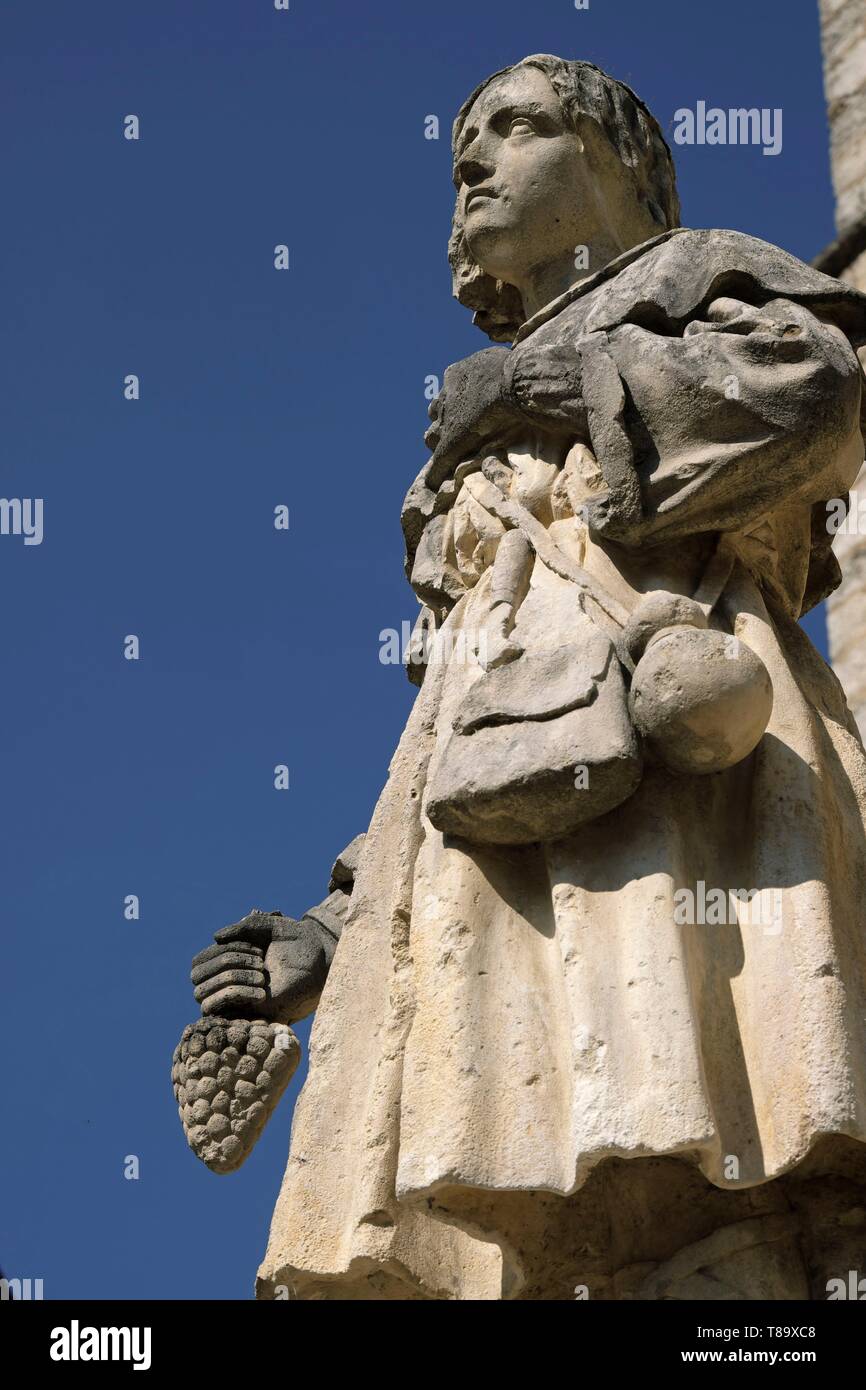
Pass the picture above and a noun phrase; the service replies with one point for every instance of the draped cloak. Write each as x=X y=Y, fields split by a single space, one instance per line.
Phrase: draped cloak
x=499 y=1021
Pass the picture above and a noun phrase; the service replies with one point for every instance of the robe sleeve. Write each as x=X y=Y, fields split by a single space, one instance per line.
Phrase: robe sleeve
x=709 y=429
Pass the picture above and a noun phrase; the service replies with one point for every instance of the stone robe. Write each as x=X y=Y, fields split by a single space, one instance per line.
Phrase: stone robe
x=499 y=1024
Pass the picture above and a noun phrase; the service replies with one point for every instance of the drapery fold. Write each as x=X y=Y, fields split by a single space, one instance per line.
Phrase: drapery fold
x=502 y=1021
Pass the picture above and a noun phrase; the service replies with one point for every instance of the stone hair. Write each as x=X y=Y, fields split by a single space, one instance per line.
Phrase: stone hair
x=584 y=91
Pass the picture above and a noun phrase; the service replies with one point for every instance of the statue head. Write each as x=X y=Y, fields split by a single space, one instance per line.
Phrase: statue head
x=551 y=156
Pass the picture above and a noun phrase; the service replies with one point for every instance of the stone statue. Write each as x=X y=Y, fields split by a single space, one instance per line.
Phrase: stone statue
x=594 y=1021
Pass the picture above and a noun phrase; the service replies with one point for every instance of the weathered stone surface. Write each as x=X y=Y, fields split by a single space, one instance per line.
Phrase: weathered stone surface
x=224 y=1111
x=843 y=39
x=563 y=1083
x=700 y=706
x=346 y=865
x=625 y=1053
x=843 y=36
x=537 y=748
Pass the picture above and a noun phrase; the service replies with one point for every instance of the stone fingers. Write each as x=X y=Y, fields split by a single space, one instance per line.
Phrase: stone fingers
x=218 y=958
x=245 y=1000
x=254 y=930
x=254 y=979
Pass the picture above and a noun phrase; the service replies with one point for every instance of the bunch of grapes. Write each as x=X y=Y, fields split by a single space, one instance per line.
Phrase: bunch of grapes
x=228 y=1075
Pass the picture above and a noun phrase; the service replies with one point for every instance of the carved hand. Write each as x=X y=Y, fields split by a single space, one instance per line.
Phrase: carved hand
x=491 y=396
x=270 y=966
x=266 y=966
x=473 y=408
x=232 y=1065
x=545 y=383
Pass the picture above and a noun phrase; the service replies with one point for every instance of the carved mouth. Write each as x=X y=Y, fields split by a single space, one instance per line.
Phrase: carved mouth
x=479 y=193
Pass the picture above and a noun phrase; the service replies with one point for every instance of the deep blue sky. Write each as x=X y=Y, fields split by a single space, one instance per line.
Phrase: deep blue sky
x=258 y=387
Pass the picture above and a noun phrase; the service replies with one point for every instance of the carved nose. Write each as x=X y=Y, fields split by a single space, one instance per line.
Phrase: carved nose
x=472 y=172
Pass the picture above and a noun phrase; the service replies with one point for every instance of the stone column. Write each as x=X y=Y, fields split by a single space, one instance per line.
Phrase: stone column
x=843 y=41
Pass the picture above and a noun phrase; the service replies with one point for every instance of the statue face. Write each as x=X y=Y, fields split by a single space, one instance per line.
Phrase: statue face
x=524 y=186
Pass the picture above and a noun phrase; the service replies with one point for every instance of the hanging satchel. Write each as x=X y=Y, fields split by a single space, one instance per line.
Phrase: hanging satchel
x=544 y=744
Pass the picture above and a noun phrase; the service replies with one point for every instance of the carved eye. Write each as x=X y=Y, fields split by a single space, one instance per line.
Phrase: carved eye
x=521 y=125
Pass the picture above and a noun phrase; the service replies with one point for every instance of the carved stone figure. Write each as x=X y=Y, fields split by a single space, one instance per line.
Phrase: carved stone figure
x=596 y=1021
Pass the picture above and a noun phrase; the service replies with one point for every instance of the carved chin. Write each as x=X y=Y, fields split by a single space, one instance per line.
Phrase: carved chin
x=491 y=242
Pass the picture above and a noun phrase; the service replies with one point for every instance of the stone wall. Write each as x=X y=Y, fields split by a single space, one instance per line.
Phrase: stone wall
x=843 y=41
